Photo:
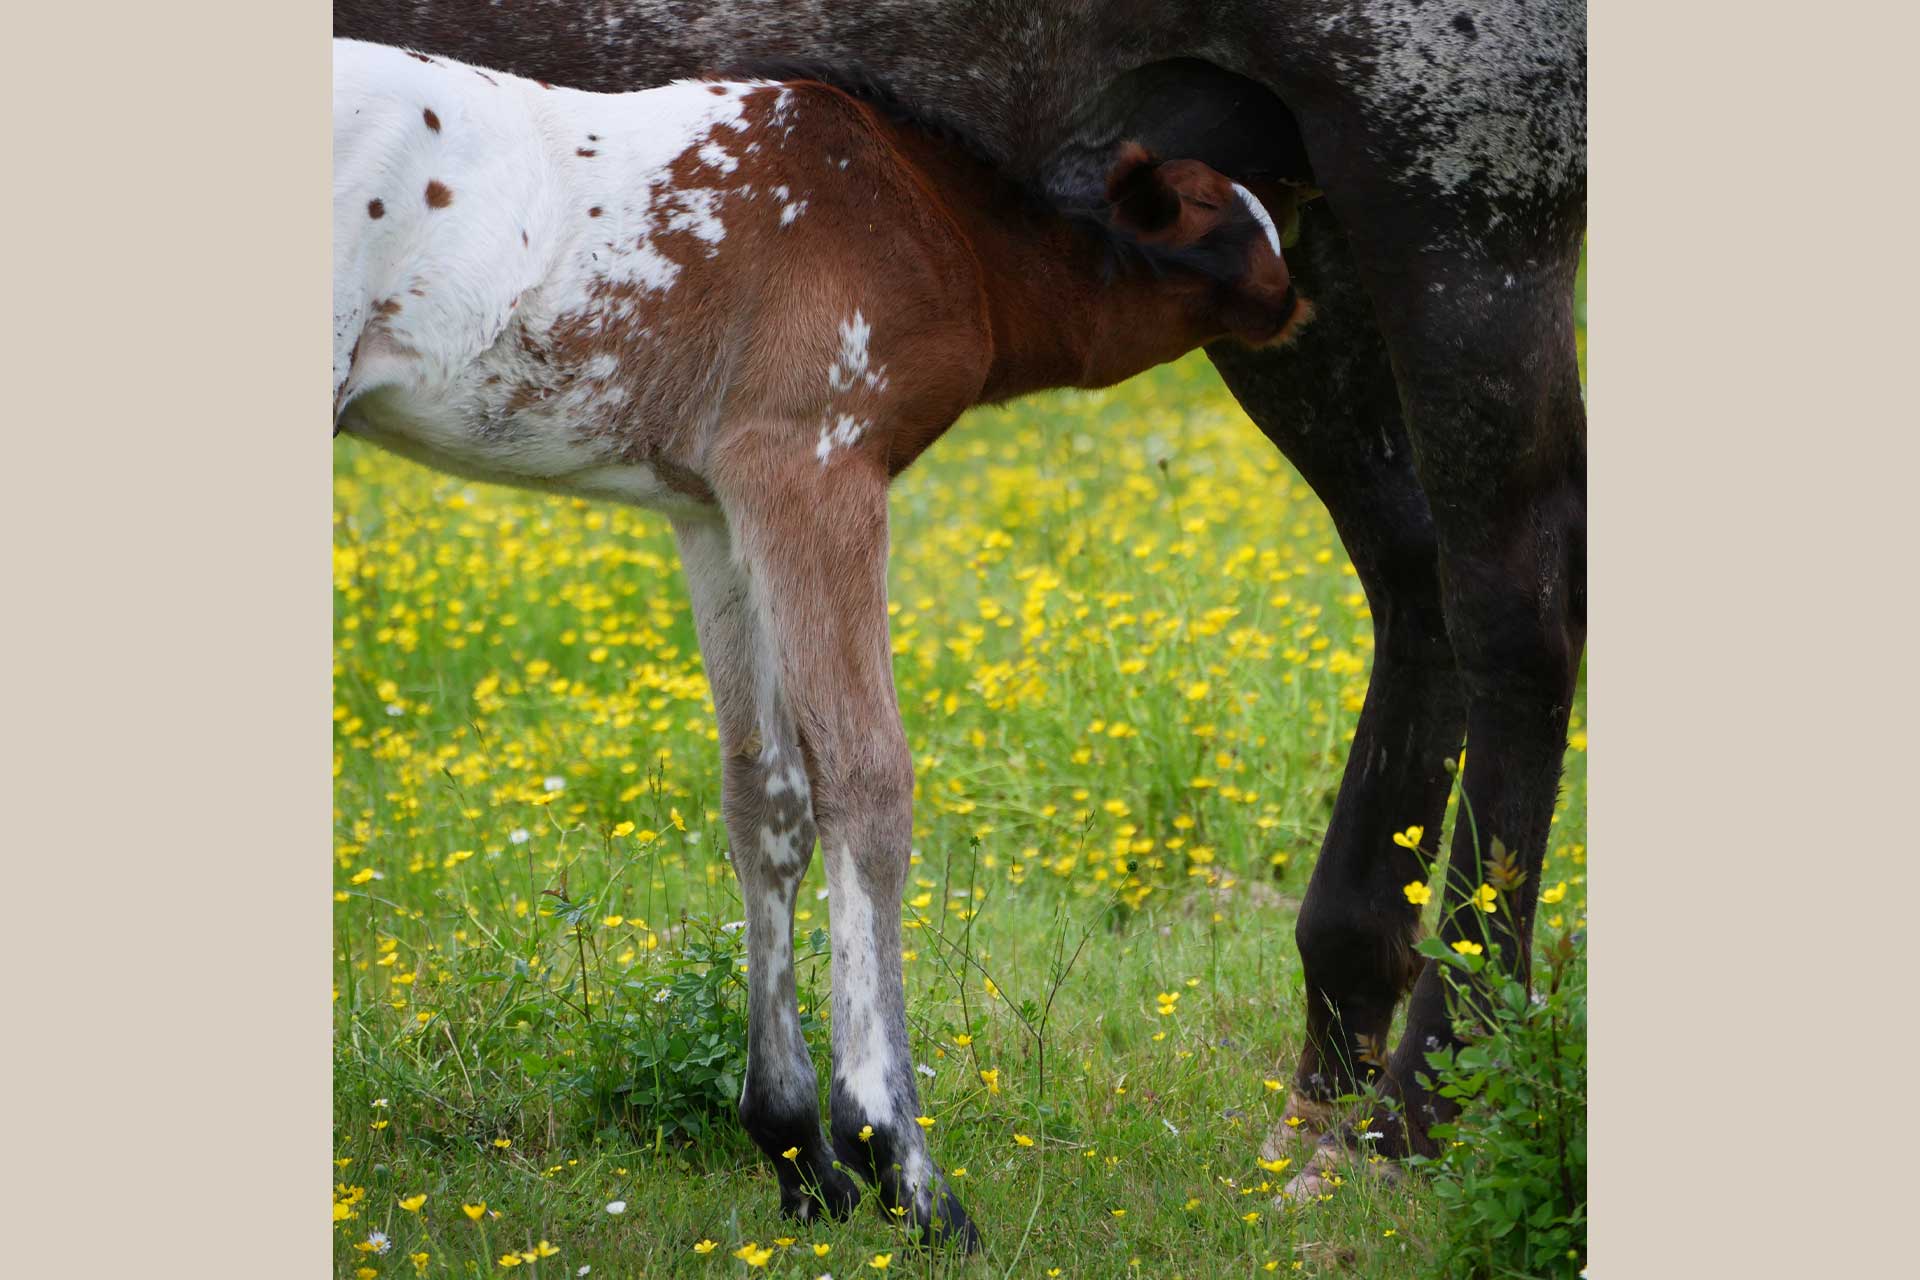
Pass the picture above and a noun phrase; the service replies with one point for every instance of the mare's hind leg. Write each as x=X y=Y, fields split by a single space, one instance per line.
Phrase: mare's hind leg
x=813 y=536
x=1329 y=401
x=770 y=830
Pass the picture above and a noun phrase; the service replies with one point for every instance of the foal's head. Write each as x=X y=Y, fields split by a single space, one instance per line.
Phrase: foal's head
x=1217 y=243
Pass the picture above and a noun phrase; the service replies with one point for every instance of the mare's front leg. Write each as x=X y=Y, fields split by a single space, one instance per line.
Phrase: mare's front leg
x=1329 y=401
x=771 y=833
x=813 y=537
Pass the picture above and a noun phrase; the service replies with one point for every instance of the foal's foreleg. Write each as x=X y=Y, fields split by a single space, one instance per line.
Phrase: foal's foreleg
x=771 y=833
x=815 y=539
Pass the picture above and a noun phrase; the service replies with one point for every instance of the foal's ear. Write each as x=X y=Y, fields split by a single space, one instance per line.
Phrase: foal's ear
x=1166 y=202
x=1138 y=193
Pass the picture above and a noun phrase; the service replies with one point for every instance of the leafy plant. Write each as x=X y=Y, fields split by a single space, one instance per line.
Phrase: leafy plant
x=1511 y=1180
x=671 y=1055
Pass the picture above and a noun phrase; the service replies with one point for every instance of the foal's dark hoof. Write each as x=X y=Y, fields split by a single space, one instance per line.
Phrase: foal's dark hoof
x=933 y=1211
x=950 y=1228
x=827 y=1192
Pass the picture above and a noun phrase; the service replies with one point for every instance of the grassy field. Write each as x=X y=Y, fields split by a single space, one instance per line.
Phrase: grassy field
x=1129 y=652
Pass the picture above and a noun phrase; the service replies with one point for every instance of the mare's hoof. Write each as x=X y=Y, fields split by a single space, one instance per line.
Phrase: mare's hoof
x=1333 y=1162
x=1317 y=1120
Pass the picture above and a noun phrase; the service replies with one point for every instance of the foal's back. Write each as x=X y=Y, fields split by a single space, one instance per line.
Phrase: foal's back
x=612 y=294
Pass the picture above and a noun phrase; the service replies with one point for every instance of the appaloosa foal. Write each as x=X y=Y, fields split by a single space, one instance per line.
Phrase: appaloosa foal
x=749 y=305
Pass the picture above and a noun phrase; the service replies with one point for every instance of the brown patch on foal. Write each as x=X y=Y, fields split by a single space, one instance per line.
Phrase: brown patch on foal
x=433 y=121
x=438 y=194
x=778 y=294
x=375 y=209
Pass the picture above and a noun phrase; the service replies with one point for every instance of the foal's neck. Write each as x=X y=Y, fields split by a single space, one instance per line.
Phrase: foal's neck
x=1060 y=314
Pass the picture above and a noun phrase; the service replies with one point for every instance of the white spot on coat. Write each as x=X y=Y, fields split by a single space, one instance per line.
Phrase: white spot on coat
x=851 y=363
x=842 y=434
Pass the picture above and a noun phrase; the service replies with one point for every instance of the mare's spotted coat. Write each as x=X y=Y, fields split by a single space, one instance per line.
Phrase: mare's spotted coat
x=750 y=304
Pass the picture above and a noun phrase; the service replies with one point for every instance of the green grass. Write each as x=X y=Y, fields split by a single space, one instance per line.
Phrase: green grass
x=1129 y=652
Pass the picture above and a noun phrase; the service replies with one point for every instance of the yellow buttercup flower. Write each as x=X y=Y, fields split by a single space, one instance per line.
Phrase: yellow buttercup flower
x=474 y=1211
x=1467 y=948
x=1555 y=894
x=412 y=1203
x=925 y=1122
x=1023 y=1139
x=706 y=1246
x=1418 y=893
x=881 y=1261
x=1484 y=897
x=1410 y=838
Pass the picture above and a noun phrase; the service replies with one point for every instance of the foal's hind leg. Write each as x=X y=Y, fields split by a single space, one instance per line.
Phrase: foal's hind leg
x=814 y=537
x=771 y=833
x=1328 y=400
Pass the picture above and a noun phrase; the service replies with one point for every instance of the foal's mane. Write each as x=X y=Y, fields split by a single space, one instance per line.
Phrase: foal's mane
x=1219 y=257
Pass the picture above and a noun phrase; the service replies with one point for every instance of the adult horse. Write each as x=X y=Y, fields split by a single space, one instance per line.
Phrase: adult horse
x=1434 y=405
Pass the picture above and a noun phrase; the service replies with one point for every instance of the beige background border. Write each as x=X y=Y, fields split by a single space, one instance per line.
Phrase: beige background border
x=167 y=640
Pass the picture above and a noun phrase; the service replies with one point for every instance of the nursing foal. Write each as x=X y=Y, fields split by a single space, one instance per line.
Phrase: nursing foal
x=749 y=305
